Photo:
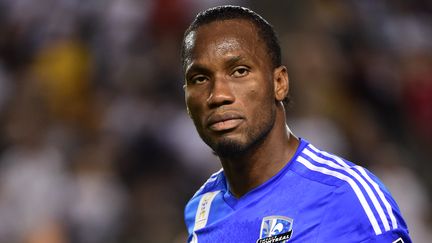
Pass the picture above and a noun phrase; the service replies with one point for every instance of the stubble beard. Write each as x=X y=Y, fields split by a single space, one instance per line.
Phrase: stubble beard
x=232 y=148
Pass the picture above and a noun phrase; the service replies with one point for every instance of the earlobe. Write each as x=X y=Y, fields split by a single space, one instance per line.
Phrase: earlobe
x=281 y=83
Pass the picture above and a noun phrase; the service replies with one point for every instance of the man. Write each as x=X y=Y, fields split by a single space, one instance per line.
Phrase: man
x=274 y=187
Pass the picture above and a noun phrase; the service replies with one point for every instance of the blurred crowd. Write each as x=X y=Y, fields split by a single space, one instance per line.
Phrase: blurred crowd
x=95 y=143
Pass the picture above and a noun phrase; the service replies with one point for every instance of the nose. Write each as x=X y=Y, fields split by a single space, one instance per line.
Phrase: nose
x=221 y=93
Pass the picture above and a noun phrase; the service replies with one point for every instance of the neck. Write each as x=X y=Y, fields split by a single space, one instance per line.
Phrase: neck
x=258 y=165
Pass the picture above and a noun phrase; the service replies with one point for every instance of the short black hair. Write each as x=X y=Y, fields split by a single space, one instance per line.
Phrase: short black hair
x=228 y=12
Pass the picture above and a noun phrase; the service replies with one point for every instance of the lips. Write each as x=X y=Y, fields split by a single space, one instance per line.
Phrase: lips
x=224 y=121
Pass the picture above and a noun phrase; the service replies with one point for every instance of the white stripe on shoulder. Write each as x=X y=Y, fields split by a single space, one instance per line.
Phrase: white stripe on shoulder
x=212 y=178
x=381 y=195
x=216 y=174
x=359 y=179
x=353 y=185
x=203 y=209
x=339 y=160
x=372 y=182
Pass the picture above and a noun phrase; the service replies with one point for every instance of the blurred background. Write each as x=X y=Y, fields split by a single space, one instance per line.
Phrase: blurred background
x=95 y=143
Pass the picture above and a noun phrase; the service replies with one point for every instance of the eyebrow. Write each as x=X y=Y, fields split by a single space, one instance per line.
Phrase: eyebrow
x=196 y=68
x=202 y=69
x=233 y=60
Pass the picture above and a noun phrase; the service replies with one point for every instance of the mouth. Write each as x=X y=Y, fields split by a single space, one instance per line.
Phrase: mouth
x=223 y=122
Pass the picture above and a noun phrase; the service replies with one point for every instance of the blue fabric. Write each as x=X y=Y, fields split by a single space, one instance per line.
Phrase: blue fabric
x=316 y=197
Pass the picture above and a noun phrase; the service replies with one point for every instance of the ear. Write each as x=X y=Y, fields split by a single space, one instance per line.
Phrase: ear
x=281 y=83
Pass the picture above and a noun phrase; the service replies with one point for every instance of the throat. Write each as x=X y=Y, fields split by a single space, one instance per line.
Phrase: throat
x=249 y=172
x=243 y=180
x=246 y=173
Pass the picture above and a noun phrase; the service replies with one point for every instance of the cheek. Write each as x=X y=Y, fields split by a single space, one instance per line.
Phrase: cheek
x=194 y=105
x=191 y=98
x=259 y=94
x=259 y=101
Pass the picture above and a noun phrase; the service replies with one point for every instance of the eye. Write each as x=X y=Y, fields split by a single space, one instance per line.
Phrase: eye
x=198 y=79
x=240 y=72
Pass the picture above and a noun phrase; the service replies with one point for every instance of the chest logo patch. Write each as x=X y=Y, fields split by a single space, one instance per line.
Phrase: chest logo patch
x=275 y=229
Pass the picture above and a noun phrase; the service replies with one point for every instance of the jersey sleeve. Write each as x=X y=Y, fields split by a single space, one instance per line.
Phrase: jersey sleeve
x=353 y=215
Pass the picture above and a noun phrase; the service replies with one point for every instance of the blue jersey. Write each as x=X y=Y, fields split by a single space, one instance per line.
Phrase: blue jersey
x=316 y=197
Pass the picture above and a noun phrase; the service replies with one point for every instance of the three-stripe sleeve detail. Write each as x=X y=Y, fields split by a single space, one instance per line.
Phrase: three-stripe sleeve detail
x=369 y=179
x=353 y=185
x=336 y=167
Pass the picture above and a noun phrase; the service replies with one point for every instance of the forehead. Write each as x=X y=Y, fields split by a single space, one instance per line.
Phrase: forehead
x=222 y=37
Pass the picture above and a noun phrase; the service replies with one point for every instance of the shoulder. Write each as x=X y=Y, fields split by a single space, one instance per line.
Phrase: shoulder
x=361 y=216
x=360 y=207
x=323 y=167
x=351 y=217
x=214 y=184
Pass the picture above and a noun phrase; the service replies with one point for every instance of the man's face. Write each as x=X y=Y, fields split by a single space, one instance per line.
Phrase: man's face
x=229 y=86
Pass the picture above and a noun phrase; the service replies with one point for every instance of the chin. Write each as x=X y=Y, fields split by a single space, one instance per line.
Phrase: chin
x=239 y=144
x=230 y=148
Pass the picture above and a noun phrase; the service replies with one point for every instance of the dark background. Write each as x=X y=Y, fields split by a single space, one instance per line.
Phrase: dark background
x=95 y=143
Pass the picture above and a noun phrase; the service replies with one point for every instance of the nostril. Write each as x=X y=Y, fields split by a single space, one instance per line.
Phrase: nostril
x=218 y=104
x=220 y=100
x=221 y=93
